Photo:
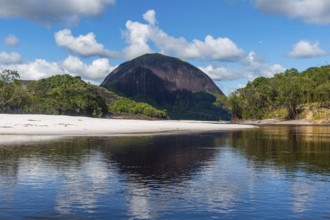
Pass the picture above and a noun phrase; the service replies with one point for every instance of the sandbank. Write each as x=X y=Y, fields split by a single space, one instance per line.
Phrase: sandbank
x=55 y=125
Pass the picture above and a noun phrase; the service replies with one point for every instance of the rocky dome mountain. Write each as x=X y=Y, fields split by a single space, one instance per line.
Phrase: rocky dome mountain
x=169 y=83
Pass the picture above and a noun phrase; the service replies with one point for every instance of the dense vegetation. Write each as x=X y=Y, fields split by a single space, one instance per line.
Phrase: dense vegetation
x=128 y=106
x=66 y=95
x=283 y=96
x=187 y=106
x=198 y=106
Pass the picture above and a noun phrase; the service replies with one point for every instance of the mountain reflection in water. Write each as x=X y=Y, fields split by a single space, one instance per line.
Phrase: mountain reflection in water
x=271 y=172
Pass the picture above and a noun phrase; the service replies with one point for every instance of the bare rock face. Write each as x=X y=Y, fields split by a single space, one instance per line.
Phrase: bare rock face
x=166 y=82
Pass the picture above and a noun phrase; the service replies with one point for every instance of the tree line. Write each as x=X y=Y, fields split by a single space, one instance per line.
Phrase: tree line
x=284 y=95
x=65 y=95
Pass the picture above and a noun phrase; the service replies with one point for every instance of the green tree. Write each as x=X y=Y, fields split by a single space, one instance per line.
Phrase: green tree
x=291 y=95
x=10 y=90
x=127 y=106
x=234 y=103
x=65 y=94
x=323 y=93
x=285 y=92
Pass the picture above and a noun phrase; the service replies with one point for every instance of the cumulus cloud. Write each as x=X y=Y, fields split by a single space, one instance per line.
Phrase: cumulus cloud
x=215 y=49
x=84 y=45
x=251 y=67
x=256 y=66
x=222 y=73
x=50 y=12
x=306 y=49
x=35 y=70
x=150 y=17
x=252 y=61
x=310 y=11
x=9 y=58
x=96 y=71
x=11 y=40
x=139 y=38
x=139 y=35
x=271 y=70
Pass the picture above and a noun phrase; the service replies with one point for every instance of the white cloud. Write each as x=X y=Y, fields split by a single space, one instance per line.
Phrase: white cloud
x=139 y=38
x=252 y=61
x=251 y=67
x=306 y=49
x=11 y=40
x=222 y=73
x=53 y=11
x=150 y=17
x=84 y=45
x=271 y=70
x=35 y=70
x=139 y=35
x=310 y=11
x=9 y=58
x=96 y=71
x=256 y=66
x=215 y=49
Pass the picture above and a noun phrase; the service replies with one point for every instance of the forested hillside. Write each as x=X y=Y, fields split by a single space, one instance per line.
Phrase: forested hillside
x=288 y=95
x=66 y=95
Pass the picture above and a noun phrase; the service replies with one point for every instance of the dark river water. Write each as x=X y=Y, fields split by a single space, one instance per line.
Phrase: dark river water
x=266 y=173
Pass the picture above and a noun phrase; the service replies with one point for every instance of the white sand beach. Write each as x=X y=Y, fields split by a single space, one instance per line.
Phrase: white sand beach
x=54 y=125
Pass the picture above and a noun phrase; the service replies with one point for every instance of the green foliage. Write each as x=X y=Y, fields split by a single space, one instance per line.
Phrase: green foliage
x=234 y=103
x=9 y=76
x=322 y=114
x=12 y=93
x=128 y=106
x=280 y=113
x=323 y=92
x=198 y=106
x=284 y=93
x=65 y=94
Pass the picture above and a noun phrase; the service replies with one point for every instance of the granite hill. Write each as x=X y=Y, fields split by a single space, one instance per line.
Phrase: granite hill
x=183 y=90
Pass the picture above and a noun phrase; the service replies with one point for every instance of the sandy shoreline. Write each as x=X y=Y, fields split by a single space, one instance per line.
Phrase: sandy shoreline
x=50 y=125
x=281 y=122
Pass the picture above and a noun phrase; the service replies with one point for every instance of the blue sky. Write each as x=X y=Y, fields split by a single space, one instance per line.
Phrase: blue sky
x=233 y=41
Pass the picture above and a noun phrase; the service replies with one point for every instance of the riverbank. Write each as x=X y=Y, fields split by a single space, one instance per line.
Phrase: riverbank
x=12 y=124
x=283 y=122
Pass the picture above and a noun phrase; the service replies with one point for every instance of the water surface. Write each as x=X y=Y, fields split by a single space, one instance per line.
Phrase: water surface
x=266 y=173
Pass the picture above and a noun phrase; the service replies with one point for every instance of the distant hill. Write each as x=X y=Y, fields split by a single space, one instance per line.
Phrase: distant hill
x=183 y=90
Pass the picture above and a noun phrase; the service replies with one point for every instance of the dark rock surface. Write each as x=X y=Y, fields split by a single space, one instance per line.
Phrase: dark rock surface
x=166 y=82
